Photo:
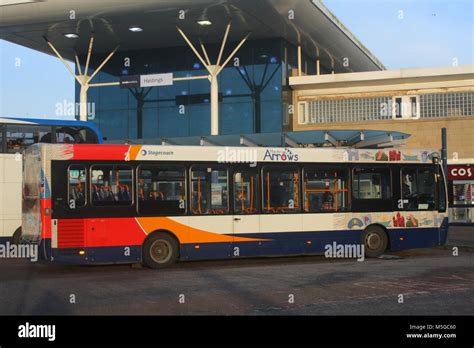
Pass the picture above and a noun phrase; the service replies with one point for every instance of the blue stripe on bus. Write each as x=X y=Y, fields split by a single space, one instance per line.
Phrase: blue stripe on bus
x=294 y=243
x=287 y=243
x=99 y=255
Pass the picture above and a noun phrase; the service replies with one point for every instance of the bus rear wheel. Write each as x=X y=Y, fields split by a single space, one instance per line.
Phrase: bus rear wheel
x=375 y=241
x=160 y=250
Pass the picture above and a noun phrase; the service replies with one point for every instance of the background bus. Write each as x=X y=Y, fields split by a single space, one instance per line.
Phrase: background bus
x=159 y=204
x=16 y=134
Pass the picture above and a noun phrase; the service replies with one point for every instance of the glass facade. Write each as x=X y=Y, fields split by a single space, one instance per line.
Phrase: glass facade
x=253 y=92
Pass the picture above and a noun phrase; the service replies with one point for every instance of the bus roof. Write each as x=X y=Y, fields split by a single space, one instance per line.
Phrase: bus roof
x=51 y=122
x=233 y=154
x=45 y=121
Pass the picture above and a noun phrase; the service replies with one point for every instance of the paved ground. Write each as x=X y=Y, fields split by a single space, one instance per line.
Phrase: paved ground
x=461 y=236
x=432 y=282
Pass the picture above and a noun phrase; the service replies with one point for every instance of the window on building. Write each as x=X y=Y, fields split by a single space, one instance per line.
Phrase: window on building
x=414 y=107
x=20 y=137
x=112 y=185
x=398 y=102
x=245 y=192
x=325 y=190
x=406 y=107
x=418 y=189
x=161 y=190
x=281 y=190
x=209 y=190
x=77 y=184
x=463 y=201
x=303 y=112
x=463 y=193
x=371 y=184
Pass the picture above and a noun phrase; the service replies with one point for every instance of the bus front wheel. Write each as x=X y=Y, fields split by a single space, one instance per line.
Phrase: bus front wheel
x=16 y=238
x=160 y=250
x=375 y=241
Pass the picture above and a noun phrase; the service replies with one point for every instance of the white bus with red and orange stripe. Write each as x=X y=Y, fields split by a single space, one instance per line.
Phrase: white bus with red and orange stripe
x=86 y=204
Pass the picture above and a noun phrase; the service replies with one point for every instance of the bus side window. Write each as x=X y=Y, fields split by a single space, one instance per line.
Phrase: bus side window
x=418 y=189
x=111 y=185
x=245 y=192
x=20 y=137
x=281 y=192
x=64 y=138
x=77 y=184
x=209 y=191
x=161 y=191
x=371 y=184
x=325 y=190
x=75 y=135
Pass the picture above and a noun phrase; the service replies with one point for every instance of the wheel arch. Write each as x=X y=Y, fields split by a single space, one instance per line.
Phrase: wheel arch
x=16 y=237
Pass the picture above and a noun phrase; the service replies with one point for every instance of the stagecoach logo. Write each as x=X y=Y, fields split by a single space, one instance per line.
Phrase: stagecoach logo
x=281 y=155
x=156 y=153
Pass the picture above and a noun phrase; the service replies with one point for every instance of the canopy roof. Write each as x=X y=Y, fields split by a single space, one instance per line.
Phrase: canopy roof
x=335 y=138
x=28 y=22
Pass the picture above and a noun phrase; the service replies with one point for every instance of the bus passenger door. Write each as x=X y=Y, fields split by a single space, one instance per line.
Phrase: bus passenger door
x=246 y=220
x=210 y=227
x=68 y=193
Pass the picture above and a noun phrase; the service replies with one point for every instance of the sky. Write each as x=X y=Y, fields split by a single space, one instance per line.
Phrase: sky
x=411 y=33
x=401 y=33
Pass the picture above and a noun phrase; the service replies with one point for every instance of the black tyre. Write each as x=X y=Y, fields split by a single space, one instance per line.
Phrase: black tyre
x=160 y=250
x=16 y=238
x=375 y=241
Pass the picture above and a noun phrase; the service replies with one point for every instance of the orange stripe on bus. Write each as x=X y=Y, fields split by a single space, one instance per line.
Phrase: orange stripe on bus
x=187 y=234
x=134 y=151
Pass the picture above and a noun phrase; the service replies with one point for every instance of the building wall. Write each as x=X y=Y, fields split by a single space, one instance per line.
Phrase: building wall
x=366 y=101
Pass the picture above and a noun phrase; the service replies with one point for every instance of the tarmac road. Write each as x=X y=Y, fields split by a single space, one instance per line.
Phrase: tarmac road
x=432 y=282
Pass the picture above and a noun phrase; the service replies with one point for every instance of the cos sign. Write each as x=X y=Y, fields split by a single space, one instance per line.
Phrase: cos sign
x=461 y=172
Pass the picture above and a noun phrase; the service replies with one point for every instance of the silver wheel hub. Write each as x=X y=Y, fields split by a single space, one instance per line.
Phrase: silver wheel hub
x=161 y=251
x=373 y=241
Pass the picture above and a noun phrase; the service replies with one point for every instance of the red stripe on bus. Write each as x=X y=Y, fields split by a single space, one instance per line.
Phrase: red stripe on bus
x=45 y=219
x=102 y=152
